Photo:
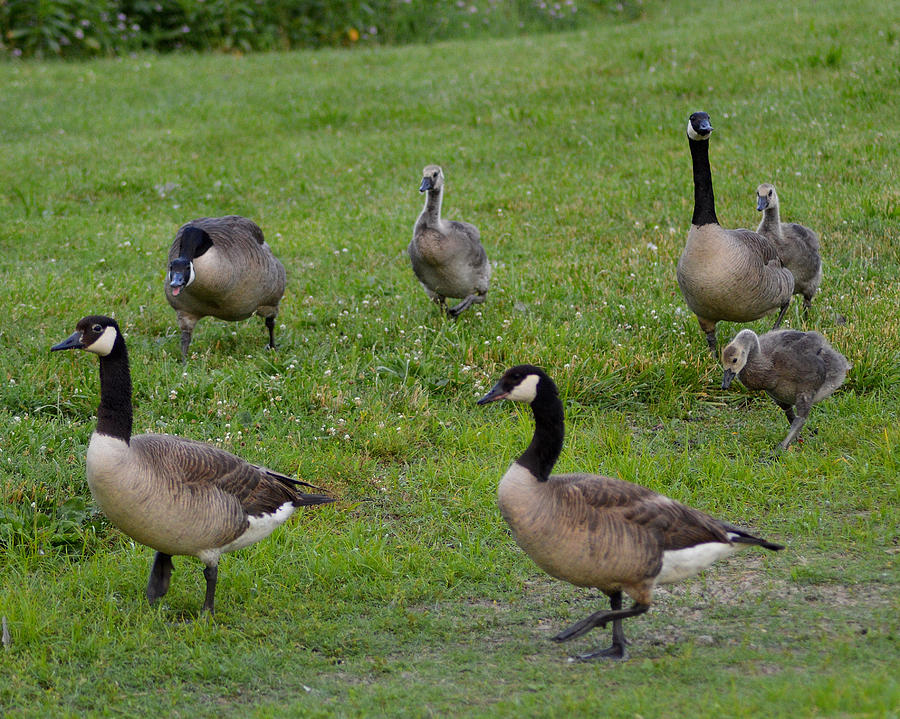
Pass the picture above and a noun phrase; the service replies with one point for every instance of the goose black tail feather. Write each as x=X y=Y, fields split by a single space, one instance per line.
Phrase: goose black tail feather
x=306 y=500
x=740 y=536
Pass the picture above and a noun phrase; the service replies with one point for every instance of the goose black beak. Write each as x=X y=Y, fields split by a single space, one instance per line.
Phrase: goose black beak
x=72 y=342
x=727 y=379
x=761 y=203
x=426 y=184
x=497 y=393
x=177 y=281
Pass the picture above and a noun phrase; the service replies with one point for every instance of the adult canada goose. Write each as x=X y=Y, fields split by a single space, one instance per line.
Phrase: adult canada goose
x=172 y=494
x=732 y=275
x=223 y=267
x=447 y=256
x=796 y=369
x=797 y=246
x=595 y=531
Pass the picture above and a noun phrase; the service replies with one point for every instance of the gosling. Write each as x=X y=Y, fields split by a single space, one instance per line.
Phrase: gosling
x=447 y=256
x=796 y=369
x=797 y=246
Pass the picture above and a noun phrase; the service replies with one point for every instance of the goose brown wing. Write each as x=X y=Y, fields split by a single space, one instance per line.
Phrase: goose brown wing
x=675 y=525
x=761 y=246
x=196 y=467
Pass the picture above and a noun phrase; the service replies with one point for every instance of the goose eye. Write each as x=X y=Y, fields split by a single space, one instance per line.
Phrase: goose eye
x=97 y=328
x=770 y=193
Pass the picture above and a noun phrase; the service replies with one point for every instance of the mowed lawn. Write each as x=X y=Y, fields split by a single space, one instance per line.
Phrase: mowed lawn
x=408 y=597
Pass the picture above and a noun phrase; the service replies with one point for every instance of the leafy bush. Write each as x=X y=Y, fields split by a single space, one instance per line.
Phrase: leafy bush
x=38 y=28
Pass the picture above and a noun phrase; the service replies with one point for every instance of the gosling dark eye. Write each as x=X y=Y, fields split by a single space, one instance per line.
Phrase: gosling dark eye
x=97 y=328
x=770 y=193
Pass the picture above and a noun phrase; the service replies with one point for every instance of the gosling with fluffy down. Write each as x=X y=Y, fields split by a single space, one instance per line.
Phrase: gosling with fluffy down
x=796 y=369
x=222 y=267
x=172 y=494
x=596 y=531
x=797 y=246
x=447 y=256
x=732 y=275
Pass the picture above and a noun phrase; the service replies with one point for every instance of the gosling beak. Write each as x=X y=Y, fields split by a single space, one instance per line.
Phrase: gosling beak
x=72 y=342
x=426 y=184
x=761 y=203
x=497 y=393
x=727 y=379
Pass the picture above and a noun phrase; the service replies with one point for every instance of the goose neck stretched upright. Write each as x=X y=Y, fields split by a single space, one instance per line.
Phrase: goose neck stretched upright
x=549 y=431
x=115 y=414
x=704 y=199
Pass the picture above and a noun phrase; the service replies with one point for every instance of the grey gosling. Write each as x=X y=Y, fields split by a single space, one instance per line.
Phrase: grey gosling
x=447 y=256
x=222 y=267
x=797 y=246
x=796 y=369
x=732 y=275
x=595 y=531
x=172 y=494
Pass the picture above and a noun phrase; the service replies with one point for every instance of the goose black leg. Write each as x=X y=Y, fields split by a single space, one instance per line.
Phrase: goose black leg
x=600 y=619
x=270 y=325
x=160 y=574
x=781 y=315
x=211 y=574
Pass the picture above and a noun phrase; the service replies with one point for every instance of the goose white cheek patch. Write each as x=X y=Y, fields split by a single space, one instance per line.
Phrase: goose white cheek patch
x=693 y=134
x=526 y=390
x=104 y=343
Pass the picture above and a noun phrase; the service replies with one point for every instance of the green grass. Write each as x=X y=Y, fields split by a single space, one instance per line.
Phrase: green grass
x=409 y=597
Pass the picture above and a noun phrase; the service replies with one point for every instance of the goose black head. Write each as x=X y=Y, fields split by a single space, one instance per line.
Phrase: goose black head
x=521 y=383
x=698 y=127
x=432 y=178
x=194 y=243
x=766 y=197
x=94 y=333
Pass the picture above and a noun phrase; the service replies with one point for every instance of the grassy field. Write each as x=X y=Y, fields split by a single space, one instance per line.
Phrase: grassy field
x=408 y=597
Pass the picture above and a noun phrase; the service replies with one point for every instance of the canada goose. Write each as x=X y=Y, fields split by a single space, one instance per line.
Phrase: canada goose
x=595 y=531
x=172 y=494
x=732 y=275
x=222 y=266
x=797 y=246
x=447 y=256
x=794 y=368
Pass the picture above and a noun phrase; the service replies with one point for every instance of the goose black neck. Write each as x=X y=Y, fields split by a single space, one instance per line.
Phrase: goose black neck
x=194 y=242
x=114 y=415
x=547 y=442
x=704 y=200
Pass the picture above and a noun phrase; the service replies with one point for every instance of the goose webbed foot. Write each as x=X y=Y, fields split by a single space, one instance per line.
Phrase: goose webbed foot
x=211 y=574
x=616 y=652
x=160 y=574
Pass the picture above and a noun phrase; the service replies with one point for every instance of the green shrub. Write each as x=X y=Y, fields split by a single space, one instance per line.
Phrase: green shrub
x=71 y=28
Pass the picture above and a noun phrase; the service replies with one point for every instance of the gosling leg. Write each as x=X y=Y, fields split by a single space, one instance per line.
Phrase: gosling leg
x=803 y=407
x=160 y=574
x=465 y=304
